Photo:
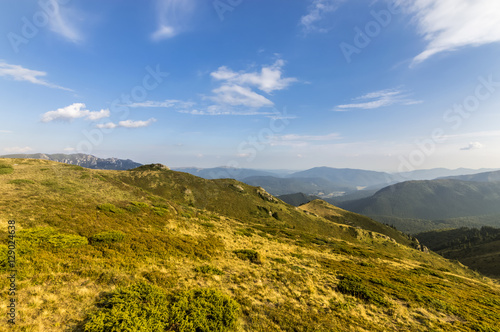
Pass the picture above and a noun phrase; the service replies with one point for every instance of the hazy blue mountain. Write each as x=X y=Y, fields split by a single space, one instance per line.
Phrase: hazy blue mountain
x=481 y=177
x=431 y=200
x=346 y=176
x=80 y=159
x=310 y=186
x=224 y=172
x=435 y=173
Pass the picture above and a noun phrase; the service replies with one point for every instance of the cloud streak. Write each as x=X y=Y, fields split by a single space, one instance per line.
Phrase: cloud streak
x=378 y=99
x=126 y=124
x=448 y=25
x=19 y=73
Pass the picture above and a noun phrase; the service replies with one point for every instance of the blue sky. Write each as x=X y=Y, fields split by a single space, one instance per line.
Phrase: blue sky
x=381 y=85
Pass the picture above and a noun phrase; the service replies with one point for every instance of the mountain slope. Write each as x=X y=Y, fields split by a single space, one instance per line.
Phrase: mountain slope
x=341 y=216
x=224 y=172
x=88 y=240
x=310 y=186
x=83 y=160
x=346 y=176
x=477 y=248
x=431 y=200
x=297 y=199
x=480 y=177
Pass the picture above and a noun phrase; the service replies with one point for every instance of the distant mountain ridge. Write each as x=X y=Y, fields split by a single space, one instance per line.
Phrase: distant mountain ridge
x=431 y=200
x=80 y=159
x=479 y=177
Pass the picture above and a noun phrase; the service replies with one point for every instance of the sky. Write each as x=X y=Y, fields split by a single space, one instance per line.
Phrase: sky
x=388 y=85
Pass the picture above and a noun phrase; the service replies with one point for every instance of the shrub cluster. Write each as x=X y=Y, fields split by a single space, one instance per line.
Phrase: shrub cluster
x=147 y=308
x=249 y=254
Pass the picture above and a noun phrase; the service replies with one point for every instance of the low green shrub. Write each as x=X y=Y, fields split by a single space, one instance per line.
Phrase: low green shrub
x=353 y=285
x=249 y=254
x=6 y=169
x=107 y=237
x=108 y=207
x=48 y=236
x=144 y=307
x=207 y=269
x=160 y=211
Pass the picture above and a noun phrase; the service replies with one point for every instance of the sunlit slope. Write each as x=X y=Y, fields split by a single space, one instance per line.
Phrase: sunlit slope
x=341 y=216
x=82 y=235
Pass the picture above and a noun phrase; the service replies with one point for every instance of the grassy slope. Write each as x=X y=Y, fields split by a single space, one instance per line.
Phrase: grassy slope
x=342 y=216
x=174 y=222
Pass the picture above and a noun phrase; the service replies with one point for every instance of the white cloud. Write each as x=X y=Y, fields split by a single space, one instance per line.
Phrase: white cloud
x=108 y=125
x=168 y=103
x=379 y=99
x=472 y=146
x=237 y=88
x=62 y=21
x=267 y=80
x=136 y=124
x=126 y=124
x=316 y=13
x=20 y=73
x=448 y=25
x=18 y=149
x=69 y=149
x=74 y=111
x=5 y=131
x=173 y=16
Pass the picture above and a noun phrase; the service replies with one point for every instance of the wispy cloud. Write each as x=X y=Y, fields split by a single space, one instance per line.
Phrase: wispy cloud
x=317 y=11
x=20 y=73
x=451 y=24
x=237 y=95
x=74 y=111
x=224 y=110
x=379 y=99
x=62 y=21
x=237 y=88
x=18 y=149
x=173 y=17
x=295 y=140
x=268 y=79
x=168 y=103
x=5 y=132
x=126 y=124
x=472 y=146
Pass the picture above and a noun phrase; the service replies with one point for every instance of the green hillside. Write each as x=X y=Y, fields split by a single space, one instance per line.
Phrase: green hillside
x=477 y=248
x=340 y=216
x=156 y=250
x=431 y=200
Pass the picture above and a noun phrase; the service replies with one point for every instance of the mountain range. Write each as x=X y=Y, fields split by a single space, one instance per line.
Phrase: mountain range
x=80 y=159
x=151 y=249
